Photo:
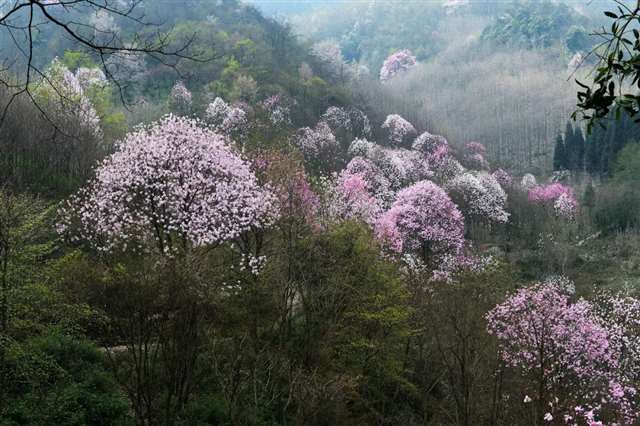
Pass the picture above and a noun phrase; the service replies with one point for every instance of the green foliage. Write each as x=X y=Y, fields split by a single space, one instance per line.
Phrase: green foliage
x=628 y=164
x=57 y=379
x=617 y=209
x=533 y=24
x=616 y=73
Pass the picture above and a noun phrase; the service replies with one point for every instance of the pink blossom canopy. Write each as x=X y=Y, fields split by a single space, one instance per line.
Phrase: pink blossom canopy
x=423 y=219
x=171 y=184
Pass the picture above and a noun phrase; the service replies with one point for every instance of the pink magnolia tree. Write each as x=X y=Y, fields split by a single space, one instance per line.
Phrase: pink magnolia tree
x=567 y=355
x=438 y=156
x=376 y=181
x=557 y=196
x=170 y=186
x=423 y=221
x=503 y=177
x=398 y=128
x=397 y=64
x=351 y=198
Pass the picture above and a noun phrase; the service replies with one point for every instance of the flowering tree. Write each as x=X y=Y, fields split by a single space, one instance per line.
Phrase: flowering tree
x=362 y=148
x=429 y=144
x=91 y=77
x=503 y=177
x=396 y=64
x=318 y=145
x=557 y=195
x=480 y=196
x=376 y=182
x=474 y=156
x=278 y=109
x=399 y=129
x=227 y=120
x=528 y=181
x=350 y=198
x=180 y=99
x=565 y=353
x=67 y=99
x=423 y=220
x=329 y=54
x=170 y=186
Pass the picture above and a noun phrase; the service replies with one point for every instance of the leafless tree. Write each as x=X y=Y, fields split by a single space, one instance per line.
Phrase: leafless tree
x=88 y=24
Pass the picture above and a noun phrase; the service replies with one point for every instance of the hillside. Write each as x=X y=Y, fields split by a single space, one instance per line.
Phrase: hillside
x=319 y=213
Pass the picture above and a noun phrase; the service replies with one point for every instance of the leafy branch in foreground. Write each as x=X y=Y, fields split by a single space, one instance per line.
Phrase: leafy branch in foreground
x=617 y=70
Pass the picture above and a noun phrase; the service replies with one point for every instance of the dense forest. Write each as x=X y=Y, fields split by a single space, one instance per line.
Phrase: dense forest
x=319 y=212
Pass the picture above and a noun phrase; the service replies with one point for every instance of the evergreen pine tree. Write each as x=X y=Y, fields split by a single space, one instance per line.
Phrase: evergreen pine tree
x=559 y=154
x=569 y=147
x=579 y=150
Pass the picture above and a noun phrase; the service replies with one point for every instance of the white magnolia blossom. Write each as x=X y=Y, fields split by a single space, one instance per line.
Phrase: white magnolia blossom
x=398 y=128
x=479 y=195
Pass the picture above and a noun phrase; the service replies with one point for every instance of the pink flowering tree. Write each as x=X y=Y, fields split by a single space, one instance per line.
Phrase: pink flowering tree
x=439 y=159
x=565 y=354
x=399 y=129
x=180 y=99
x=376 y=181
x=423 y=221
x=503 y=177
x=396 y=64
x=557 y=196
x=351 y=198
x=170 y=186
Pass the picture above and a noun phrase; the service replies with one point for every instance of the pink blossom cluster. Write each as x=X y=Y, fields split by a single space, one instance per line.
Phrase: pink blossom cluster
x=296 y=198
x=396 y=64
x=557 y=195
x=548 y=193
x=503 y=177
x=171 y=185
x=377 y=182
x=180 y=99
x=352 y=199
x=568 y=355
x=399 y=129
x=422 y=220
